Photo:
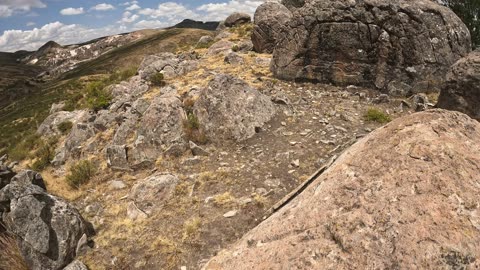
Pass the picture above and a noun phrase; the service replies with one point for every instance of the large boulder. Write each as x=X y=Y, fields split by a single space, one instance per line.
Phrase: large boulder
x=49 y=228
x=462 y=87
x=152 y=192
x=169 y=64
x=404 y=197
x=269 y=19
x=49 y=126
x=371 y=43
x=237 y=18
x=228 y=108
x=160 y=128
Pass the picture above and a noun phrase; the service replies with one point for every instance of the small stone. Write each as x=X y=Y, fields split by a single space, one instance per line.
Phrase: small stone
x=296 y=163
x=116 y=185
x=230 y=214
x=284 y=123
x=197 y=150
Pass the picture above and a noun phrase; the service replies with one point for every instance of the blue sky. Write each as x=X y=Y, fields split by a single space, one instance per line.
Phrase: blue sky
x=28 y=24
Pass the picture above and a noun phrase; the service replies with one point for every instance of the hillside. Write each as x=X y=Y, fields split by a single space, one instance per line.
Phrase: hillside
x=28 y=105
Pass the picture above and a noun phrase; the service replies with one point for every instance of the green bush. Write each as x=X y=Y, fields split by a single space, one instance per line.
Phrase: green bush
x=375 y=115
x=192 y=129
x=65 y=127
x=44 y=154
x=97 y=97
x=80 y=173
x=158 y=79
x=235 y=48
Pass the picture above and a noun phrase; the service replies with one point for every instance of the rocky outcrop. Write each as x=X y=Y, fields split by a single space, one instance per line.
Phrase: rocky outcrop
x=168 y=64
x=269 y=19
x=237 y=18
x=228 y=108
x=150 y=194
x=49 y=126
x=371 y=43
x=160 y=129
x=403 y=197
x=222 y=46
x=462 y=87
x=49 y=228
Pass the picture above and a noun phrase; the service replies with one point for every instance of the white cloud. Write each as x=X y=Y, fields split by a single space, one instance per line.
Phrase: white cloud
x=149 y=24
x=129 y=3
x=220 y=11
x=128 y=17
x=133 y=7
x=72 y=11
x=30 y=24
x=14 y=40
x=170 y=13
x=9 y=7
x=103 y=7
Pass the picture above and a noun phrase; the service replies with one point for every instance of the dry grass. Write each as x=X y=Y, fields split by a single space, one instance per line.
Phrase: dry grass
x=10 y=254
x=191 y=228
x=226 y=199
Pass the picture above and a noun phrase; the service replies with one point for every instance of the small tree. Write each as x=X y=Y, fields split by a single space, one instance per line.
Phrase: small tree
x=469 y=12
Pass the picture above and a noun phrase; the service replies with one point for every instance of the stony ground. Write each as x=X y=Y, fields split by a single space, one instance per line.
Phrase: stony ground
x=222 y=196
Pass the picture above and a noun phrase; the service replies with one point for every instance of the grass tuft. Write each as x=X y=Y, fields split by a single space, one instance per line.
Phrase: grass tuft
x=80 y=173
x=10 y=255
x=376 y=115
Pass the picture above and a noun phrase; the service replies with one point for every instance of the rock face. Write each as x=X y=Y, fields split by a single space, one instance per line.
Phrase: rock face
x=269 y=19
x=237 y=18
x=167 y=63
x=404 y=197
x=48 y=227
x=153 y=191
x=160 y=128
x=371 y=43
x=49 y=126
x=462 y=88
x=228 y=108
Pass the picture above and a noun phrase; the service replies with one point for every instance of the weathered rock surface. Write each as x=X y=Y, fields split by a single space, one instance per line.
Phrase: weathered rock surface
x=160 y=128
x=48 y=227
x=269 y=19
x=234 y=59
x=371 y=43
x=153 y=191
x=222 y=46
x=228 y=108
x=462 y=88
x=237 y=18
x=167 y=63
x=76 y=265
x=49 y=126
x=404 y=197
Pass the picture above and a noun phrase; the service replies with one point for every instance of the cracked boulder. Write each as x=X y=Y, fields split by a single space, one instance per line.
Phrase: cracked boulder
x=403 y=197
x=49 y=228
x=228 y=108
x=160 y=129
x=462 y=88
x=269 y=19
x=49 y=126
x=371 y=43
x=169 y=64
x=150 y=194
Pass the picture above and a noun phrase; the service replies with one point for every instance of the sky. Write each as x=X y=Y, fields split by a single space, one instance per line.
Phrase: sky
x=28 y=24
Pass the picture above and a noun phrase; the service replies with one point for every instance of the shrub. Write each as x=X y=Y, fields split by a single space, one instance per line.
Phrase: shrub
x=235 y=48
x=158 y=79
x=375 y=115
x=193 y=130
x=44 y=154
x=65 y=127
x=97 y=97
x=80 y=173
x=10 y=255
